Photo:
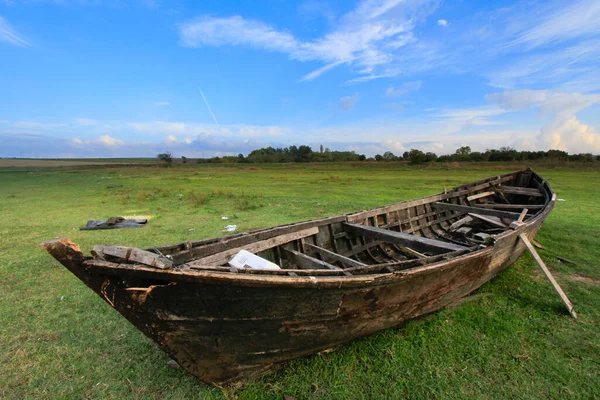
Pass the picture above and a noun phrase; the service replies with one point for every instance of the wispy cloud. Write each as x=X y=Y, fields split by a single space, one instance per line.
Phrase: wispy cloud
x=529 y=43
x=85 y=121
x=367 y=37
x=8 y=35
x=405 y=88
x=347 y=103
x=162 y=103
x=571 y=20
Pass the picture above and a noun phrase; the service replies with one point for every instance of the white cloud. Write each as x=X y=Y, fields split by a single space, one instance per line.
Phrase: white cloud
x=564 y=131
x=8 y=35
x=162 y=103
x=110 y=141
x=367 y=37
x=442 y=22
x=348 y=102
x=234 y=31
x=405 y=88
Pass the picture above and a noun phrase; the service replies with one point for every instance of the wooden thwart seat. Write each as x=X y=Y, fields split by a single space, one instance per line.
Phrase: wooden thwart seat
x=335 y=256
x=520 y=190
x=476 y=210
x=417 y=243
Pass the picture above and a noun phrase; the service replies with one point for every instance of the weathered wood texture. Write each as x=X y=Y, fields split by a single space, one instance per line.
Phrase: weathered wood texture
x=227 y=327
x=416 y=242
x=476 y=210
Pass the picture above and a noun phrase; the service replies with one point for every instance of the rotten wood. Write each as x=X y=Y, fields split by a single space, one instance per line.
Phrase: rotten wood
x=490 y=220
x=463 y=221
x=132 y=254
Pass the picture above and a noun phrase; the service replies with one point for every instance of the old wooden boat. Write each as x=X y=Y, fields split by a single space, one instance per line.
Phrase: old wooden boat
x=340 y=277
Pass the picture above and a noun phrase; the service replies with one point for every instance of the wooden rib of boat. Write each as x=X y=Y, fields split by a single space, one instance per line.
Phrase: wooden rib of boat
x=341 y=277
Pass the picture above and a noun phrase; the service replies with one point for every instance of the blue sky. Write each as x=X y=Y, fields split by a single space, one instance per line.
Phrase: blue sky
x=134 y=78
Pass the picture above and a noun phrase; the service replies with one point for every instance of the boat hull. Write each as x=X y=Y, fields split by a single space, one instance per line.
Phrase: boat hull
x=227 y=328
x=228 y=332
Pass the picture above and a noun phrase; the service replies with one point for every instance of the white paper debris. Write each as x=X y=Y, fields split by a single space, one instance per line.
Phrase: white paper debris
x=561 y=199
x=224 y=217
x=230 y=228
x=245 y=259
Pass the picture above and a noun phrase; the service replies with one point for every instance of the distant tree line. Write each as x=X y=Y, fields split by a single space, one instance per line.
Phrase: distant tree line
x=413 y=156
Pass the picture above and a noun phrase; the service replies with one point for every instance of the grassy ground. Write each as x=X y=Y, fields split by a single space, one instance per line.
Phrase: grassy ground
x=60 y=340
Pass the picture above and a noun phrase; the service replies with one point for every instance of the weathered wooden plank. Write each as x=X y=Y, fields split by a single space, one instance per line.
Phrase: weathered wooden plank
x=522 y=216
x=490 y=220
x=133 y=254
x=480 y=195
x=511 y=206
x=308 y=262
x=411 y=251
x=224 y=256
x=417 y=243
x=460 y=223
x=519 y=190
x=208 y=247
x=335 y=256
x=476 y=210
x=542 y=265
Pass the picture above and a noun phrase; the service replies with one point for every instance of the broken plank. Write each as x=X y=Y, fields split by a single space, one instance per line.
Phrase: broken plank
x=479 y=196
x=519 y=190
x=490 y=220
x=460 y=223
x=224 y=256
x=335 y=256
x=132 y=254
x=417 y=243
x=476 y=210
x=308 y=262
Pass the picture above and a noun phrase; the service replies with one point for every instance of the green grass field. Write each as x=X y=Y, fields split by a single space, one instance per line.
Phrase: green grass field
x=60 y=340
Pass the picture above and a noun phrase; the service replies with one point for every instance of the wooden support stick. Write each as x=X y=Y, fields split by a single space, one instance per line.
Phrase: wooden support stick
x=522 y=216
x=540 y=262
